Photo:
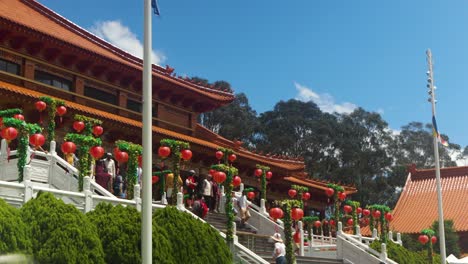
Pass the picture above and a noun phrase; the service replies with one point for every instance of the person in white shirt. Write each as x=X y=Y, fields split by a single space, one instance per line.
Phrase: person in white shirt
x=207 y=190
x=279 y=253
x=244 y=208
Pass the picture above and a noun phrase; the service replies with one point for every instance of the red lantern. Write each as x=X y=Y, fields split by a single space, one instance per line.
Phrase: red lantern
x=236 y=181
x=164 y=151
x=251 y=195
x=376 y=214
x=40 y=106
x=317 y=224
x=212 y=172
x=9 y=133
x=61 y=110
x=121 y=156
x=342 y=196
x=389 y=217
x=96 y=152
x=140 y=160
x=68 y=147
x=219 y=176
x=297 y=237
x=258 y=172
x=37 y=140
x=232 y=157
x=292 y=193
x=116 y=150
x=297 y=214
x=276 y=213
x=359 y=210
x=186 y=154
x=78 y=126
x=423 y=239
x=366 y=212
x=305 y=196
x=19 y=117
x=219 y=154
x=325 y=222
x=154 y=179
x=329 y=192
x=268 y=175
x=97 y=130
x=348 y=209
x=332 y=222
x=350 y=222
x=434 y=239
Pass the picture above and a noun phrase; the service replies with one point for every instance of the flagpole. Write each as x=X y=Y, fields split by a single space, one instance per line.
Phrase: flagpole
x=146 y=223
x=431 y=87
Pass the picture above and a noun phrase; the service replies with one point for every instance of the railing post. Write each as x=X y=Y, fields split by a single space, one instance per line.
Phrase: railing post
x=374 y=233
x=53 y=145
x=330 y=241
x=163 y=199
x=222 y=201
x=390 y=236
x=3 y=157
x=53 y=153
x=180 y=201
x=263 y=207
x=88 y=193
x=234 y=232
x=383 y=253
x=301 y=235
x=321 y=233
x=137 y=197
x=28 y=187
x=339 y=231
x=398 y=238
x=358 y=233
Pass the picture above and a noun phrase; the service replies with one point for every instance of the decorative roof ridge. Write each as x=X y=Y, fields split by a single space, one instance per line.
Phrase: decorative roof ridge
x=61 y=20
x=422 y=174
x=322 y=182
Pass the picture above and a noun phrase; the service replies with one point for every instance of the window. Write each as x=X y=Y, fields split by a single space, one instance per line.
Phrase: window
x=8 y=66
x=134 y=106
x=100 y=95
x=52 y=80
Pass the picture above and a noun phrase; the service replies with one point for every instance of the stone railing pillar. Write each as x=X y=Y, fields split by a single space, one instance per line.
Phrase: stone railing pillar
x=383 y=253
x=390 y=236
x=137 y=196
x=180 y=201
x=398 y=238
x=234 y=232
x=339 y=231
x=28 y=187
x=374 y=233
x=262 y=207
x=222 y=201
x=301 y=234
x=358 y=233
x=53 y=146
x=164 y=199
x=88 y=193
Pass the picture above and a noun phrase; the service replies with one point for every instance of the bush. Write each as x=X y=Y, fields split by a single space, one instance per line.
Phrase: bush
x=451 y=238
x=60 y=233
x=15 y=235
x=192 y=241
x=402 y=255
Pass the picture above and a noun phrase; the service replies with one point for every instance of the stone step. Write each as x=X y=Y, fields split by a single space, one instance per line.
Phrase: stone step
x=312 y=260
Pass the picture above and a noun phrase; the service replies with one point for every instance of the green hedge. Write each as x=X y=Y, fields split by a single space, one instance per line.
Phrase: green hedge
x=14 y=234
x=192 y=241
x=60 y=233
x=402 y=255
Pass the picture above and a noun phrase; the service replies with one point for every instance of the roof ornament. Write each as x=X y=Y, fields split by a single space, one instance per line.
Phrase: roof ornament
x=169 y=69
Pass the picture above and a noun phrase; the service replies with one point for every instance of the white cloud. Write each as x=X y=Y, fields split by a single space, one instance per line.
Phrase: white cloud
x=121 y=36
x=380 y=111
x=325 y=101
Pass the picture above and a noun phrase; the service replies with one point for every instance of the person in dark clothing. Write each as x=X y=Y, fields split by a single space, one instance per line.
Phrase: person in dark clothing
x=102 y=177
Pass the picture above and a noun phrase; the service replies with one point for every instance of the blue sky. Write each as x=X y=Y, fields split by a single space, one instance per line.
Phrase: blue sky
x=341 y=54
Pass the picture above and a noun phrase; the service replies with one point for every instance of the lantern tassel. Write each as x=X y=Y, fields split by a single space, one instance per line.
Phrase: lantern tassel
x=61 y=120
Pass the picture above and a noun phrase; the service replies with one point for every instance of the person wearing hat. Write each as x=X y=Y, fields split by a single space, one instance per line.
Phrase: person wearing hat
x=279 y=253
x=191 y=182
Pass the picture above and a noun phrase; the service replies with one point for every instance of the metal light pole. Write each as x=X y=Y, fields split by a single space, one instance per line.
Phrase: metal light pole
x=146 y=223
x=430 y=85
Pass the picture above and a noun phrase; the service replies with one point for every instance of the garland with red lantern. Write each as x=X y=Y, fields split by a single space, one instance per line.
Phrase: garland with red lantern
x=354 y=214
x=264 y=170
x=288 y=206
x=52 y=105
x=88 y=146
x=24 y=130
x=334 y=190
x=133 y=151
x=177 y=150
x=428 y=238
x=229 y=171
x=379 y=214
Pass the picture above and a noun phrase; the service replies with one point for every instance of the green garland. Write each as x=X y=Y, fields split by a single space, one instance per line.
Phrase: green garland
x=383 y=222
x=430 y=251
x=336 y=201
x=133 y=150
x=309 y=225
x=354 y=205
x=10 y=112
x=24 y=131
x=264 y=169
x=52 y=105
x=176 y=146
x=287 y=205
x=84 y=142
x=228 y=207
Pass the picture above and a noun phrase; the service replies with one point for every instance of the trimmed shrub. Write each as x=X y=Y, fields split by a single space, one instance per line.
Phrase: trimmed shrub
x=60 y=233
x=14 y=234
x=192 y=241
x=402 y=255
x=451 y=238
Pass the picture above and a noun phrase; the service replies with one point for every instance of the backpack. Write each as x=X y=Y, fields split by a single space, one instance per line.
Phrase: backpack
x=205 y=209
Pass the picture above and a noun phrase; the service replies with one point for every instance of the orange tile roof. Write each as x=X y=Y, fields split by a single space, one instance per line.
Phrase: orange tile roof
x=35 y=16
x=322 y=185
x=288 y=165
x=417 y=207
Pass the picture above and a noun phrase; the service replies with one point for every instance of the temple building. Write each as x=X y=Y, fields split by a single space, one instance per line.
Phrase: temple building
x=417 y=207
x=44 y=54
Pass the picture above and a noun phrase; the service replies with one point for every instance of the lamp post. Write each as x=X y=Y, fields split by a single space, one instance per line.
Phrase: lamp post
x=430 y=85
